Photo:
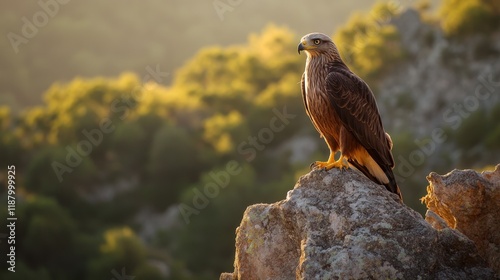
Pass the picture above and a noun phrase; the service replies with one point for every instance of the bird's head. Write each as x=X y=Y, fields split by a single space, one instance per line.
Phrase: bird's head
x=316 y=44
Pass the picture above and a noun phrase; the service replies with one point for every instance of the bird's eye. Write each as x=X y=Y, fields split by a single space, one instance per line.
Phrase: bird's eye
x=317 y=41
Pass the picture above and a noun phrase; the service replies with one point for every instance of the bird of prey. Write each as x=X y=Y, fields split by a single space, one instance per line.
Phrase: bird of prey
x=343 y=110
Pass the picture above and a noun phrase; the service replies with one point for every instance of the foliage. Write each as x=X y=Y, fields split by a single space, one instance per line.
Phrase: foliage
x=129 y=146
x=10 y=147
x=466 y=17
x=480 y=129
x=46 y=240
x=217 y=131
x=105 y=148
x=368 y=43
x=121 y=249
x=104 y=38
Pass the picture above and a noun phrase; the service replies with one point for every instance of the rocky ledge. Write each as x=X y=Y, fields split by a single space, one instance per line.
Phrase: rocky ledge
x=340 y=225
x=469 y=202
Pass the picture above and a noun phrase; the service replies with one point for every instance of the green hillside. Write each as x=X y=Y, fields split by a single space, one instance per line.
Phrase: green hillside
x=139 y=135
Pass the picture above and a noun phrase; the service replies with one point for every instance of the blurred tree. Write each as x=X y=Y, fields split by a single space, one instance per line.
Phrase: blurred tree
x=59 y=172
x=478 y=137
x=218 y=131
x=10 y=146
x=473 y=130
x=174 y=162
x=121 y=249
x=216 y=222
x=126 y=144
x=48 y=240
x=369 y=44
x=493 y=138
x=217 y=78
x=466 y=17
x=24 y=272
x=276 y=48
x=407 y=170
x=146 y=271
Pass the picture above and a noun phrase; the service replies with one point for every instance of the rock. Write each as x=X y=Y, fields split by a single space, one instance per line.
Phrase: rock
x=470 y=203
x=436 y=72
x=410 y=26
x=340 y=225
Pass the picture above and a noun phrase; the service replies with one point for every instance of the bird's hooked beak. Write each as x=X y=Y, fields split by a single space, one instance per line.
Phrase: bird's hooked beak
x=301 y=47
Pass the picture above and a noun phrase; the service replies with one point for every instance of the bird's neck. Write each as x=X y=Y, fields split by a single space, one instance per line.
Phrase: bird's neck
x=317 y=65
x=322 y=62
x=324 y=58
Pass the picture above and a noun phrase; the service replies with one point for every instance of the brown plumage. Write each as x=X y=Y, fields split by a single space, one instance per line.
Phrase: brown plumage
x=343 y=109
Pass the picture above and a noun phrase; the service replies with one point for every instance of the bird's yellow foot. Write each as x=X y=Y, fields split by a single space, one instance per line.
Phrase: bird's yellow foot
x=340 y=164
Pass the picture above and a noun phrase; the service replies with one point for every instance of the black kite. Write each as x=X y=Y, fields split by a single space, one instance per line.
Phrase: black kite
x=343 y=109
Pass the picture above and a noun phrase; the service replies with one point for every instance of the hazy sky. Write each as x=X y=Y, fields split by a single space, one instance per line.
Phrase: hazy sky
x=62 y=39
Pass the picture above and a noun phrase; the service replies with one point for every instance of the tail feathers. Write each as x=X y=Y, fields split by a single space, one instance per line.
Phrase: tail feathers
x=391 y=186
x=364 y=170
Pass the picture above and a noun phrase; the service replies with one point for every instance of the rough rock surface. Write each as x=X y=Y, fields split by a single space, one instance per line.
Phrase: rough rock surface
x=340 y=225
x=470 y=203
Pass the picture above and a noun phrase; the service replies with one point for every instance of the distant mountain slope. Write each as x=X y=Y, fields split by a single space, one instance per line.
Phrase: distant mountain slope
x=442 y=102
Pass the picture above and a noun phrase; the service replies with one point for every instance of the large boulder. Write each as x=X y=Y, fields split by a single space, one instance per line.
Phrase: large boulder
x=340 y=225
x=469 y=202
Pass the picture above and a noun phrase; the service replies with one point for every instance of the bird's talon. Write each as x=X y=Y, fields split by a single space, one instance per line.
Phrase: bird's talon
x=312 y=165
x=340 y=164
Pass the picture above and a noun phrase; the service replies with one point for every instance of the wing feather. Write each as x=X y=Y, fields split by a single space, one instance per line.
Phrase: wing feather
x=355 y=104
